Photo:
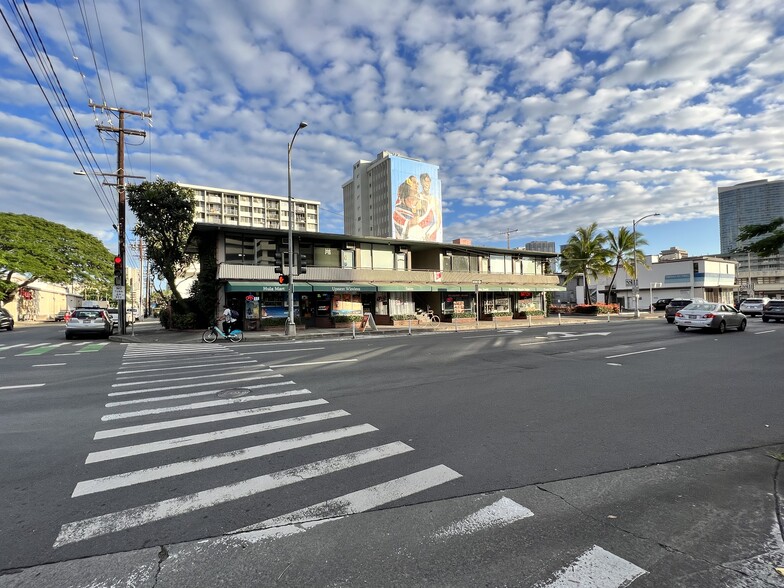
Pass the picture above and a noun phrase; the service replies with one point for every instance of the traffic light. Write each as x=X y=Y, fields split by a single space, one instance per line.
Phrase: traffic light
x=118 y=270
x=283 y=279
x=303 y=264
x=279 y=263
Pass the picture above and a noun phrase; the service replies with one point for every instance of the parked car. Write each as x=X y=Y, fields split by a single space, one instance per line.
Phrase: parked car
x=753 y=306
x=675 y=305
x=710 y=315
x=60 y=316
x=6 y=320
x=114 y=314
x=773 y=311
x=661 y=303
x=88 y=321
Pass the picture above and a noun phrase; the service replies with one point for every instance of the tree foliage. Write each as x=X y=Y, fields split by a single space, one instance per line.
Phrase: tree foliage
x=584 y=253
x=164 y=211
x=771 y=240
x=620 y=249
x=37 y=249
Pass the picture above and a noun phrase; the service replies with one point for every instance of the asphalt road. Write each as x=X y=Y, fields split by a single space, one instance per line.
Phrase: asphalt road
x=93 y=433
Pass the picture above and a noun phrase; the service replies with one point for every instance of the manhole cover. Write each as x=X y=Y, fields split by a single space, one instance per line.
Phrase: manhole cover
x=233 y=393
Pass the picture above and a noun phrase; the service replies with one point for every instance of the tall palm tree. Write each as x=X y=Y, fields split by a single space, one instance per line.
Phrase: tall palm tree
x=621 y=248
x=584 y=253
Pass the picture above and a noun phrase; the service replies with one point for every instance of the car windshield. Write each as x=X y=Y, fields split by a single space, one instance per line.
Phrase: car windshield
x=752 y=301
x=680 y=302
x=700 y=306
x=776 y=303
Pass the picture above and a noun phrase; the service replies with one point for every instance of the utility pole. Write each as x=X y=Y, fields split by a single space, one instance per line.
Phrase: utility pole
x=121 y=132
x=141 y=277
x=508 y=232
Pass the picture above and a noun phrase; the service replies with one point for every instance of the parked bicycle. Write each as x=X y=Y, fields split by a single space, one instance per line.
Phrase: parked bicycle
x=213 y=333
x=427 y=316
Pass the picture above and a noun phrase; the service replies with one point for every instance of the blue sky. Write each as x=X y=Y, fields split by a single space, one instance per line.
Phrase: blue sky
x=543 y=116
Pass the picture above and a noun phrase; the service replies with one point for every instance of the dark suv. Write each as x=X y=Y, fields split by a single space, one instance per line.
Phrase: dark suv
x=6 y=320
x=661 y=303
x=675 y=305
x=773 y=310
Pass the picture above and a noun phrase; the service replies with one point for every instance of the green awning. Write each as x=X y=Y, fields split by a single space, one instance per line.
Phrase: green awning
x=403 y=287
x=342 y=287
x=234 y=286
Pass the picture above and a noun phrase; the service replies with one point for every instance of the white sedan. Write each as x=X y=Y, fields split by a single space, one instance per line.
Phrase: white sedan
x=710 y=315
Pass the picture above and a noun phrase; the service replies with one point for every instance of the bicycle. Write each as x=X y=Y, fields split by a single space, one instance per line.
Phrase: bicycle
x=429 y=316
x=213 y=333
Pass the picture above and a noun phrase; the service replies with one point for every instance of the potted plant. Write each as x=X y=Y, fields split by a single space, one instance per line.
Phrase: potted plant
x=460 y=317
x=403 y=319
x=346 y=320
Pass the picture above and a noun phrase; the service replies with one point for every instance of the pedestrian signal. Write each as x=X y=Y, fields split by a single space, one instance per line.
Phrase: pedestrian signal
x=283 y=279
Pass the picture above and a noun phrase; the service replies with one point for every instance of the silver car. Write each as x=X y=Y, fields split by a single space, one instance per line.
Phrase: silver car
x=753 y=306
x=710 y=315
x=88 y=321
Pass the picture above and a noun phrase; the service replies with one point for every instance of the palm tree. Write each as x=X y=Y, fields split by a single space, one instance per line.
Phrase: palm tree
x=621 y=248
x=585 y=254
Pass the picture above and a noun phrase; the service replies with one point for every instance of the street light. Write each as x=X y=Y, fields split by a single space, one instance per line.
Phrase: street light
x=635 y=282
x=291 y=328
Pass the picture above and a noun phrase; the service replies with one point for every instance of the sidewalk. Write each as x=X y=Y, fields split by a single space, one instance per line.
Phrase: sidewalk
x=154 y=333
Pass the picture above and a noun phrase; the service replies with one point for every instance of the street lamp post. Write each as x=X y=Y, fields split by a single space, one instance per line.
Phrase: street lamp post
x=291 y=327
x=635 y=281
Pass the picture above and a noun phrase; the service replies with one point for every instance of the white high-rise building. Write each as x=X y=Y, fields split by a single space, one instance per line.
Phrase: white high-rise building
x=393 y=196
x=247 y=209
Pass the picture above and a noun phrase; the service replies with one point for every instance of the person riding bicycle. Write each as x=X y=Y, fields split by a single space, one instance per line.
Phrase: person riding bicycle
x=229 y=319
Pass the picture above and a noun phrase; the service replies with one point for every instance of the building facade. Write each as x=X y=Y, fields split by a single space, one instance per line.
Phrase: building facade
x=710 y=278
x=393 y=197
x=247 y=209
x=752 y=203
x=384 y=277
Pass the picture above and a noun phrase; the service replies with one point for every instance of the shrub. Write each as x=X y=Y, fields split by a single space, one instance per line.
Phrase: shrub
x=534 y=312
x=586 y=309
x=347 y=318
x=404 y=317
x=608 y=308
x=464 y=314
x=503 y=313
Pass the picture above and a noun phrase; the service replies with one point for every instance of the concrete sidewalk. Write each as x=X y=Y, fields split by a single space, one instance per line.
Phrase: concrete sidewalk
x=706 y=522
x=152 y=332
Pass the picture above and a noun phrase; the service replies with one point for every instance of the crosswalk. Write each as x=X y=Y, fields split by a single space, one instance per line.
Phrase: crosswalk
x=163 y=398
x=63 y=348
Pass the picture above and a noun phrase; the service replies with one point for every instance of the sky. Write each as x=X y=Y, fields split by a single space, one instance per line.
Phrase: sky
x=544 y=116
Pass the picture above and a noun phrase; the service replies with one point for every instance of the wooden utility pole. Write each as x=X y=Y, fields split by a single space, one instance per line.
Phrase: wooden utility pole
x=121 y=132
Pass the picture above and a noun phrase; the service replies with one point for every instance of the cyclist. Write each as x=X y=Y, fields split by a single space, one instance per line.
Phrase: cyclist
x=228 y=320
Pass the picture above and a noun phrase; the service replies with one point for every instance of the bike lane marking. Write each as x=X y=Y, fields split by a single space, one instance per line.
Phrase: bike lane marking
x=92 y=347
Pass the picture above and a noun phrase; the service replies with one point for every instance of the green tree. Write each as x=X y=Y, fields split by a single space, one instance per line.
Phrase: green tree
x=620 y=247
x=772 y=241
x=164 y=211
x=37 y=249
x=584 y=253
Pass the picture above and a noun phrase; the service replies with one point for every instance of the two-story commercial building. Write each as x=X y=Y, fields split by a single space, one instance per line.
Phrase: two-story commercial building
x=385 y=277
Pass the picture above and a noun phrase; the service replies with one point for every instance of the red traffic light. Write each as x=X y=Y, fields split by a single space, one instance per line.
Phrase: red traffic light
x=117 y=259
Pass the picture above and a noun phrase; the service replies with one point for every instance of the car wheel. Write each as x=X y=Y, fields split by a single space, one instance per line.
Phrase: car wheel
x=681 y=328
x=68 y=335
x=765 y=319
x=722 y=327
x=670 y=320
x=742 y=326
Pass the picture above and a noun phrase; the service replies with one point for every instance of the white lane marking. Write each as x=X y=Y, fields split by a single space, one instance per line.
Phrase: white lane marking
x=568 y=335
x=7 y=347
x=208 y=418
x=561 y=340
x=764 y=332
x=199 y=405
x=214 y=461
x=64 y=354
x=47 y=364
x=363 y=500
x=148 y=513
x=635 y=352
x=312 y=363
x=281 y=350
x=35 y=345
x=499 y=514
x=233 y=371
x=188 y=395
x=145 y=390
x=221 y=363
x=614 y=364
x=83 y=343
x=597 y=568
x=21 y=386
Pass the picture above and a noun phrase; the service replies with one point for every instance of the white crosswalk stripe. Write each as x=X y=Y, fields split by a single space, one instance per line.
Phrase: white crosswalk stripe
x=597 y=568
x=142 y=382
